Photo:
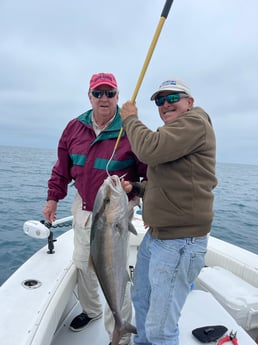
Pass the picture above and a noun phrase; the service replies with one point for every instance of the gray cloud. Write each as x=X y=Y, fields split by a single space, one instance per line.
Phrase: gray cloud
x=50 y=49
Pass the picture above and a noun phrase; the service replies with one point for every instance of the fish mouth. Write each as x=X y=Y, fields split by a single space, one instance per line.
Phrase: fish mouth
x=113 y=182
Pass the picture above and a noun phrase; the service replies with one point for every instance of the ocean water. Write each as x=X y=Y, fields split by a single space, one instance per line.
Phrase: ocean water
x=24 y=173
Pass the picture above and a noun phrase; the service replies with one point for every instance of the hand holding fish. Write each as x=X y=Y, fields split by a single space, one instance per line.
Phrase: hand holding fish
x=127 y=186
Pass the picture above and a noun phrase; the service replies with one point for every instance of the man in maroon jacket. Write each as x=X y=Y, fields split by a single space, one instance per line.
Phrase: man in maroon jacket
x=85 y=153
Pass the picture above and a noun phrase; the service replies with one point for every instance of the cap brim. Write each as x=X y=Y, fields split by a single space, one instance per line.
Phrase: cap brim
x=175 y=90
x=104 y=83
x=154 y=95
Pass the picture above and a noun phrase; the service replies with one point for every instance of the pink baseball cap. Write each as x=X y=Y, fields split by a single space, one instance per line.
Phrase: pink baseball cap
x=103 y=79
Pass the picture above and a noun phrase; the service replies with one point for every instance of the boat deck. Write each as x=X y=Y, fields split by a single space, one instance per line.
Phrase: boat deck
x=194 y=314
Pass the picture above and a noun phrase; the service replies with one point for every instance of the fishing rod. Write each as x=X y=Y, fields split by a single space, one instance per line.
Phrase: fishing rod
x=161 y=22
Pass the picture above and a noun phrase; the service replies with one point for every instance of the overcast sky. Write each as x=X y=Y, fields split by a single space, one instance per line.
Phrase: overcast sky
x=50 y=48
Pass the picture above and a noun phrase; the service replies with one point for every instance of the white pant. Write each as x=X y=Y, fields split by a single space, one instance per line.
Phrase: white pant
x=88 y=287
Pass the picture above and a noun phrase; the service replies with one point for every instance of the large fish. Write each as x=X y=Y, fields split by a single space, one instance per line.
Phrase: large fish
x=109 y=246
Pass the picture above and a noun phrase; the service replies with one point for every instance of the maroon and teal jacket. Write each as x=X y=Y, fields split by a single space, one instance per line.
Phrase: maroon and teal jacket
x=83 y=157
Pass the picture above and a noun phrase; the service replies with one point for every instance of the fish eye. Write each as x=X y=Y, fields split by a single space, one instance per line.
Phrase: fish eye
x=118 y=228
x=107 y=200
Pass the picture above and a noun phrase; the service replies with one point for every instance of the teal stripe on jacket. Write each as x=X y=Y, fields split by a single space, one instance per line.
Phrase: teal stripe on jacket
x=78 y=159
x=101 y=163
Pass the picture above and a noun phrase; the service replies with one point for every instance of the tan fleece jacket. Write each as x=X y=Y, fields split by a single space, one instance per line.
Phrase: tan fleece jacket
x=178 y=198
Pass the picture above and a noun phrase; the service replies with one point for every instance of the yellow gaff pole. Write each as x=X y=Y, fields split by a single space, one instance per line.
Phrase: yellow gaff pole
x=163 y=17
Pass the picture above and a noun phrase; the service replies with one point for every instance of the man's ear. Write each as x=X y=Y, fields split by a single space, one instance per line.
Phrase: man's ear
x=190 y=102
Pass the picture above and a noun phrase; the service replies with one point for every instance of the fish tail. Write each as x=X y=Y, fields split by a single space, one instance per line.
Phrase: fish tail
x=129 y=328
x=120 y=331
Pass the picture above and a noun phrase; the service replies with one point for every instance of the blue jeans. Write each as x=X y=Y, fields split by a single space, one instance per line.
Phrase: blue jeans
x=164 y=272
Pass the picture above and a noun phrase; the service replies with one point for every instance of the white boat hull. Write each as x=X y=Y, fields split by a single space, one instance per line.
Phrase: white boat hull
x=41 y=314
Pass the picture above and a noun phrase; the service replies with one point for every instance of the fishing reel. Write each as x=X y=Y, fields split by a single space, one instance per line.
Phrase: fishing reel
x=41 y=230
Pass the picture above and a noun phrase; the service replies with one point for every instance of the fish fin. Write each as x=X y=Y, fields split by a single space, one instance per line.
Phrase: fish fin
x=134 y=202
x=132 y=229
x=129 y=328
x=131 y=205
x=119 y=332
x=127 y=277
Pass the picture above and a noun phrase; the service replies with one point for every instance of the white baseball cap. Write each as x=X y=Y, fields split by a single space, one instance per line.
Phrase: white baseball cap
x=174 y=85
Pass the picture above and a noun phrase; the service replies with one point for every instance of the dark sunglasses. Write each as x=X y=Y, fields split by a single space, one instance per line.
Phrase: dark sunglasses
x=100 y=93
x=171 y=98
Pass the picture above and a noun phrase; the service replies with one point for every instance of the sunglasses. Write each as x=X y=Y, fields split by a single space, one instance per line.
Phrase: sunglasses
x=99 y=93
x=172 y=98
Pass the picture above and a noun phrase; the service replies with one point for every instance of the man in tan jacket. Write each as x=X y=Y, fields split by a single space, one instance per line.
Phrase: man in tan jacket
x=177 y=206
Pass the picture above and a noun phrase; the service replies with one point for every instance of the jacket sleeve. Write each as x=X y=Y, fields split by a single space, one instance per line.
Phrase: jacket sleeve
x=138 y=188
x=60 y=176
x=170 y=142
